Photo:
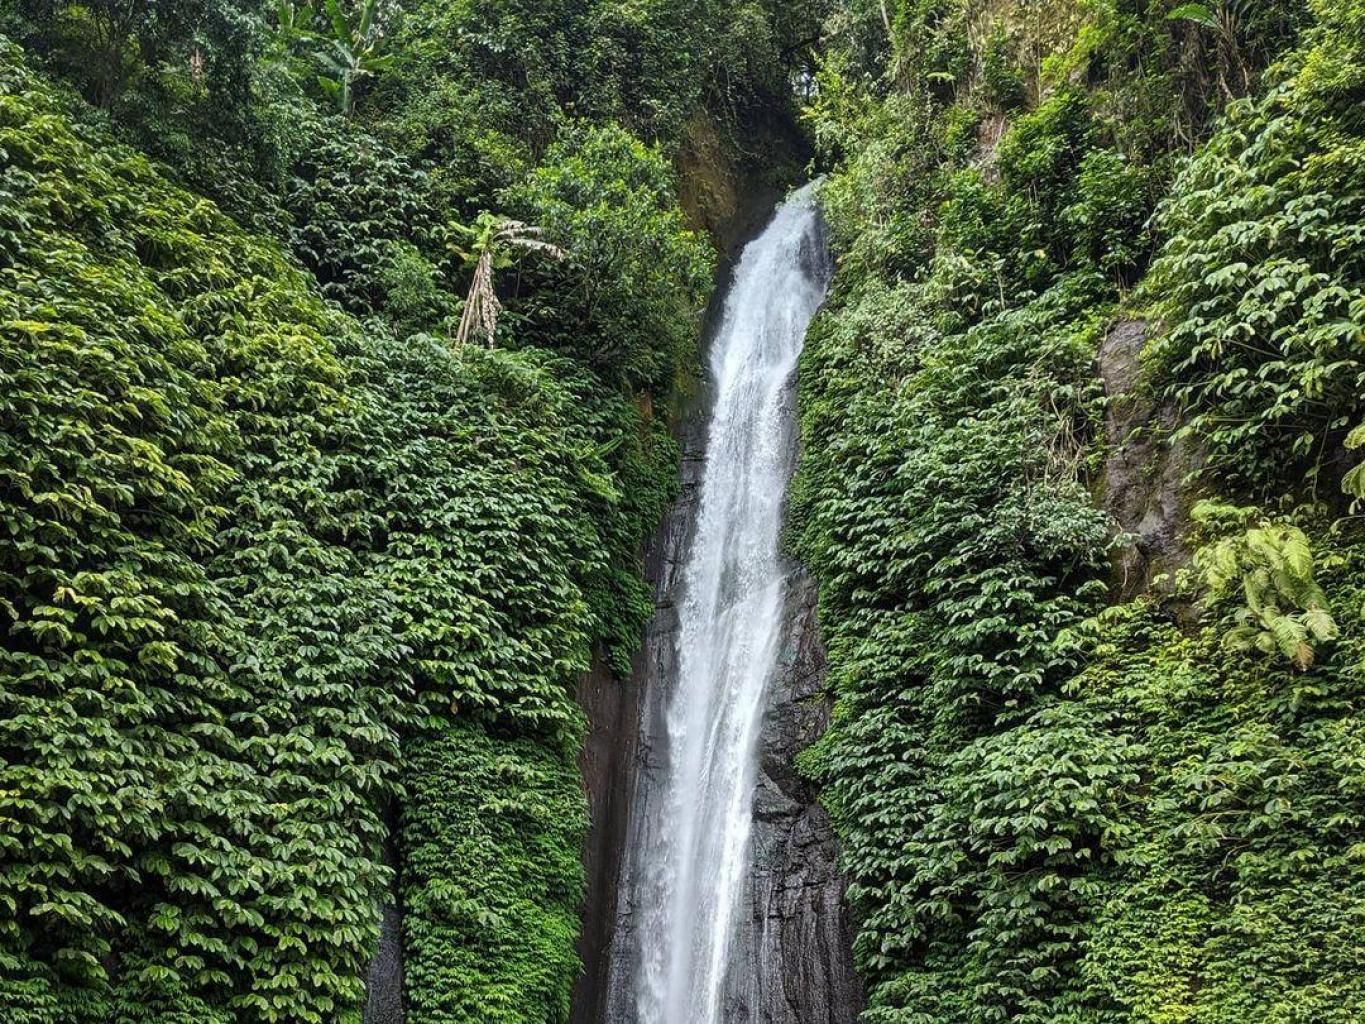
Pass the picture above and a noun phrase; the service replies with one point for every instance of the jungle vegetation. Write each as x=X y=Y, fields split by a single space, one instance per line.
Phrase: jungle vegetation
x=294 y=569
x=1093 y=760
x=338 y=346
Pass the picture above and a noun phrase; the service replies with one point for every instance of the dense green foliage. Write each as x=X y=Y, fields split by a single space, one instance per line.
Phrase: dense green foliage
x=498 y=936
x=247 y=550
x=175 y=772
x=628 y=284
x=282 y=564
x=1053 y=811
x=358 y=210
x=953 y=541
x=1236 y=886
x=483 y=88
x=1264 y=274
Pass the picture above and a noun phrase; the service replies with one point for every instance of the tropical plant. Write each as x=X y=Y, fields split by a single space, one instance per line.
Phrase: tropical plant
x=1226 y=20
x=1353 y=483
x=352 y=201
x=349 y=46
x=636 y=277
x=488 y=245
x=1262 y=274
x=108 y=45
x=1139 y=826
x=1285 y=611
x=269 y=557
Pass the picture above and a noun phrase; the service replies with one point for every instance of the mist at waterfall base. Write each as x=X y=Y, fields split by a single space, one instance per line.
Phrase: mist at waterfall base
x=687 y=862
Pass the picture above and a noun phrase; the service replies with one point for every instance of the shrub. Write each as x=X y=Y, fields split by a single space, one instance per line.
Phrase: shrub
x=1261 y=275
x=629 y=295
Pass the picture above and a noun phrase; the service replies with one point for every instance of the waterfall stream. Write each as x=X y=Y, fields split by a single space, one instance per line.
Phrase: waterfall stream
x=685 y=872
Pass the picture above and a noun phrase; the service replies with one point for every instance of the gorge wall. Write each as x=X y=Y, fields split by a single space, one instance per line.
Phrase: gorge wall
x=793 y=934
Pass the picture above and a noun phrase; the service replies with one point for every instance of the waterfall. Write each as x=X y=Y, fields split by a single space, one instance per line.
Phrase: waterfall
x=683 y=882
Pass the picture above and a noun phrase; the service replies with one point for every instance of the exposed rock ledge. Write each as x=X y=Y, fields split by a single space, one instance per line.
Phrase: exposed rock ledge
x=795 y=940
x=1144 y=472
x=796 y=934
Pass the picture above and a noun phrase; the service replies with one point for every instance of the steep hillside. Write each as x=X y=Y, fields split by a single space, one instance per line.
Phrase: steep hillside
x=294 y=569
x=260 y=563
x=1060 y=801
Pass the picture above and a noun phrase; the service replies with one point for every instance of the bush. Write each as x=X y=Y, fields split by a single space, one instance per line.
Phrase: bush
x=250 y=551
x=357 y=209
x=1108 y=222
x=1050 y=811
x=494 y=942
x=628 y=299
x=192 y=788
x=939 y=506
x=1262 y=277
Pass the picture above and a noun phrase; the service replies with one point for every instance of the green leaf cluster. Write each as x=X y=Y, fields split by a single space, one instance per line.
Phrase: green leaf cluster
x=189 y=791
x=357 y=209
x=1271 y=563
x=1235 y=881
x=1049 y=810
x=483 y=89
x=494 y=942
x=264 y=570
x=1261 y=275
x=947 y=521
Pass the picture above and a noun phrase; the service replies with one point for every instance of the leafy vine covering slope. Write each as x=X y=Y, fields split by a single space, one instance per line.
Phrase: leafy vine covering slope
x=1055 y=808
x=249 y=549
x=287 y=574
x=281 y=565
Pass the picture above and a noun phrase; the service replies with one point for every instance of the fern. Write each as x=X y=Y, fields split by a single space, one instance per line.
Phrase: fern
x=1271 y=563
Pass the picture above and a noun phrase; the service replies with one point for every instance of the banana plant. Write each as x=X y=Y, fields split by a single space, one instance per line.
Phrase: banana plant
x=490 y=244
x=348 y=47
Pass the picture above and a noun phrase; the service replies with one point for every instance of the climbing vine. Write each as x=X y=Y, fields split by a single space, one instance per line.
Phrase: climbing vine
x=1053 y=807
x=267 y=571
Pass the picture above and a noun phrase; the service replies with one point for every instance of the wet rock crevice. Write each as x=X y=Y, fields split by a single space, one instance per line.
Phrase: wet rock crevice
x=792 y=959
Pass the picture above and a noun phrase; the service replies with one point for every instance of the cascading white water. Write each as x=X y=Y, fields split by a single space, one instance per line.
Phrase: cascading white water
x=688 y=869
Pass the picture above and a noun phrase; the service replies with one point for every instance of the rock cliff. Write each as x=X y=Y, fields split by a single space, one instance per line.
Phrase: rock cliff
x=794 y=943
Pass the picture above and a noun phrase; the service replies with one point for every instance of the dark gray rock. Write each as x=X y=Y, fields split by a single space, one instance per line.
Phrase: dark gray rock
x=619 y=749
x=613 y=709
x=1145 y=470
x=384 y=982
x=795 y=939
x=793 y=953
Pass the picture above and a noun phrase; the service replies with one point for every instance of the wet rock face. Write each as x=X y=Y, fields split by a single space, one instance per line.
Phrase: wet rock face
x=623 y=725
x=1144 y=472
x=795 y=935
x=384 y=983
x=612 y=706
x=793 y=952
x=384 y=980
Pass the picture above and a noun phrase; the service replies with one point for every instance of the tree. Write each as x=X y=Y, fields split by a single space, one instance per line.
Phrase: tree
x=104 y=45
x=492 y=241
x=627 y=299
x=349 y=46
